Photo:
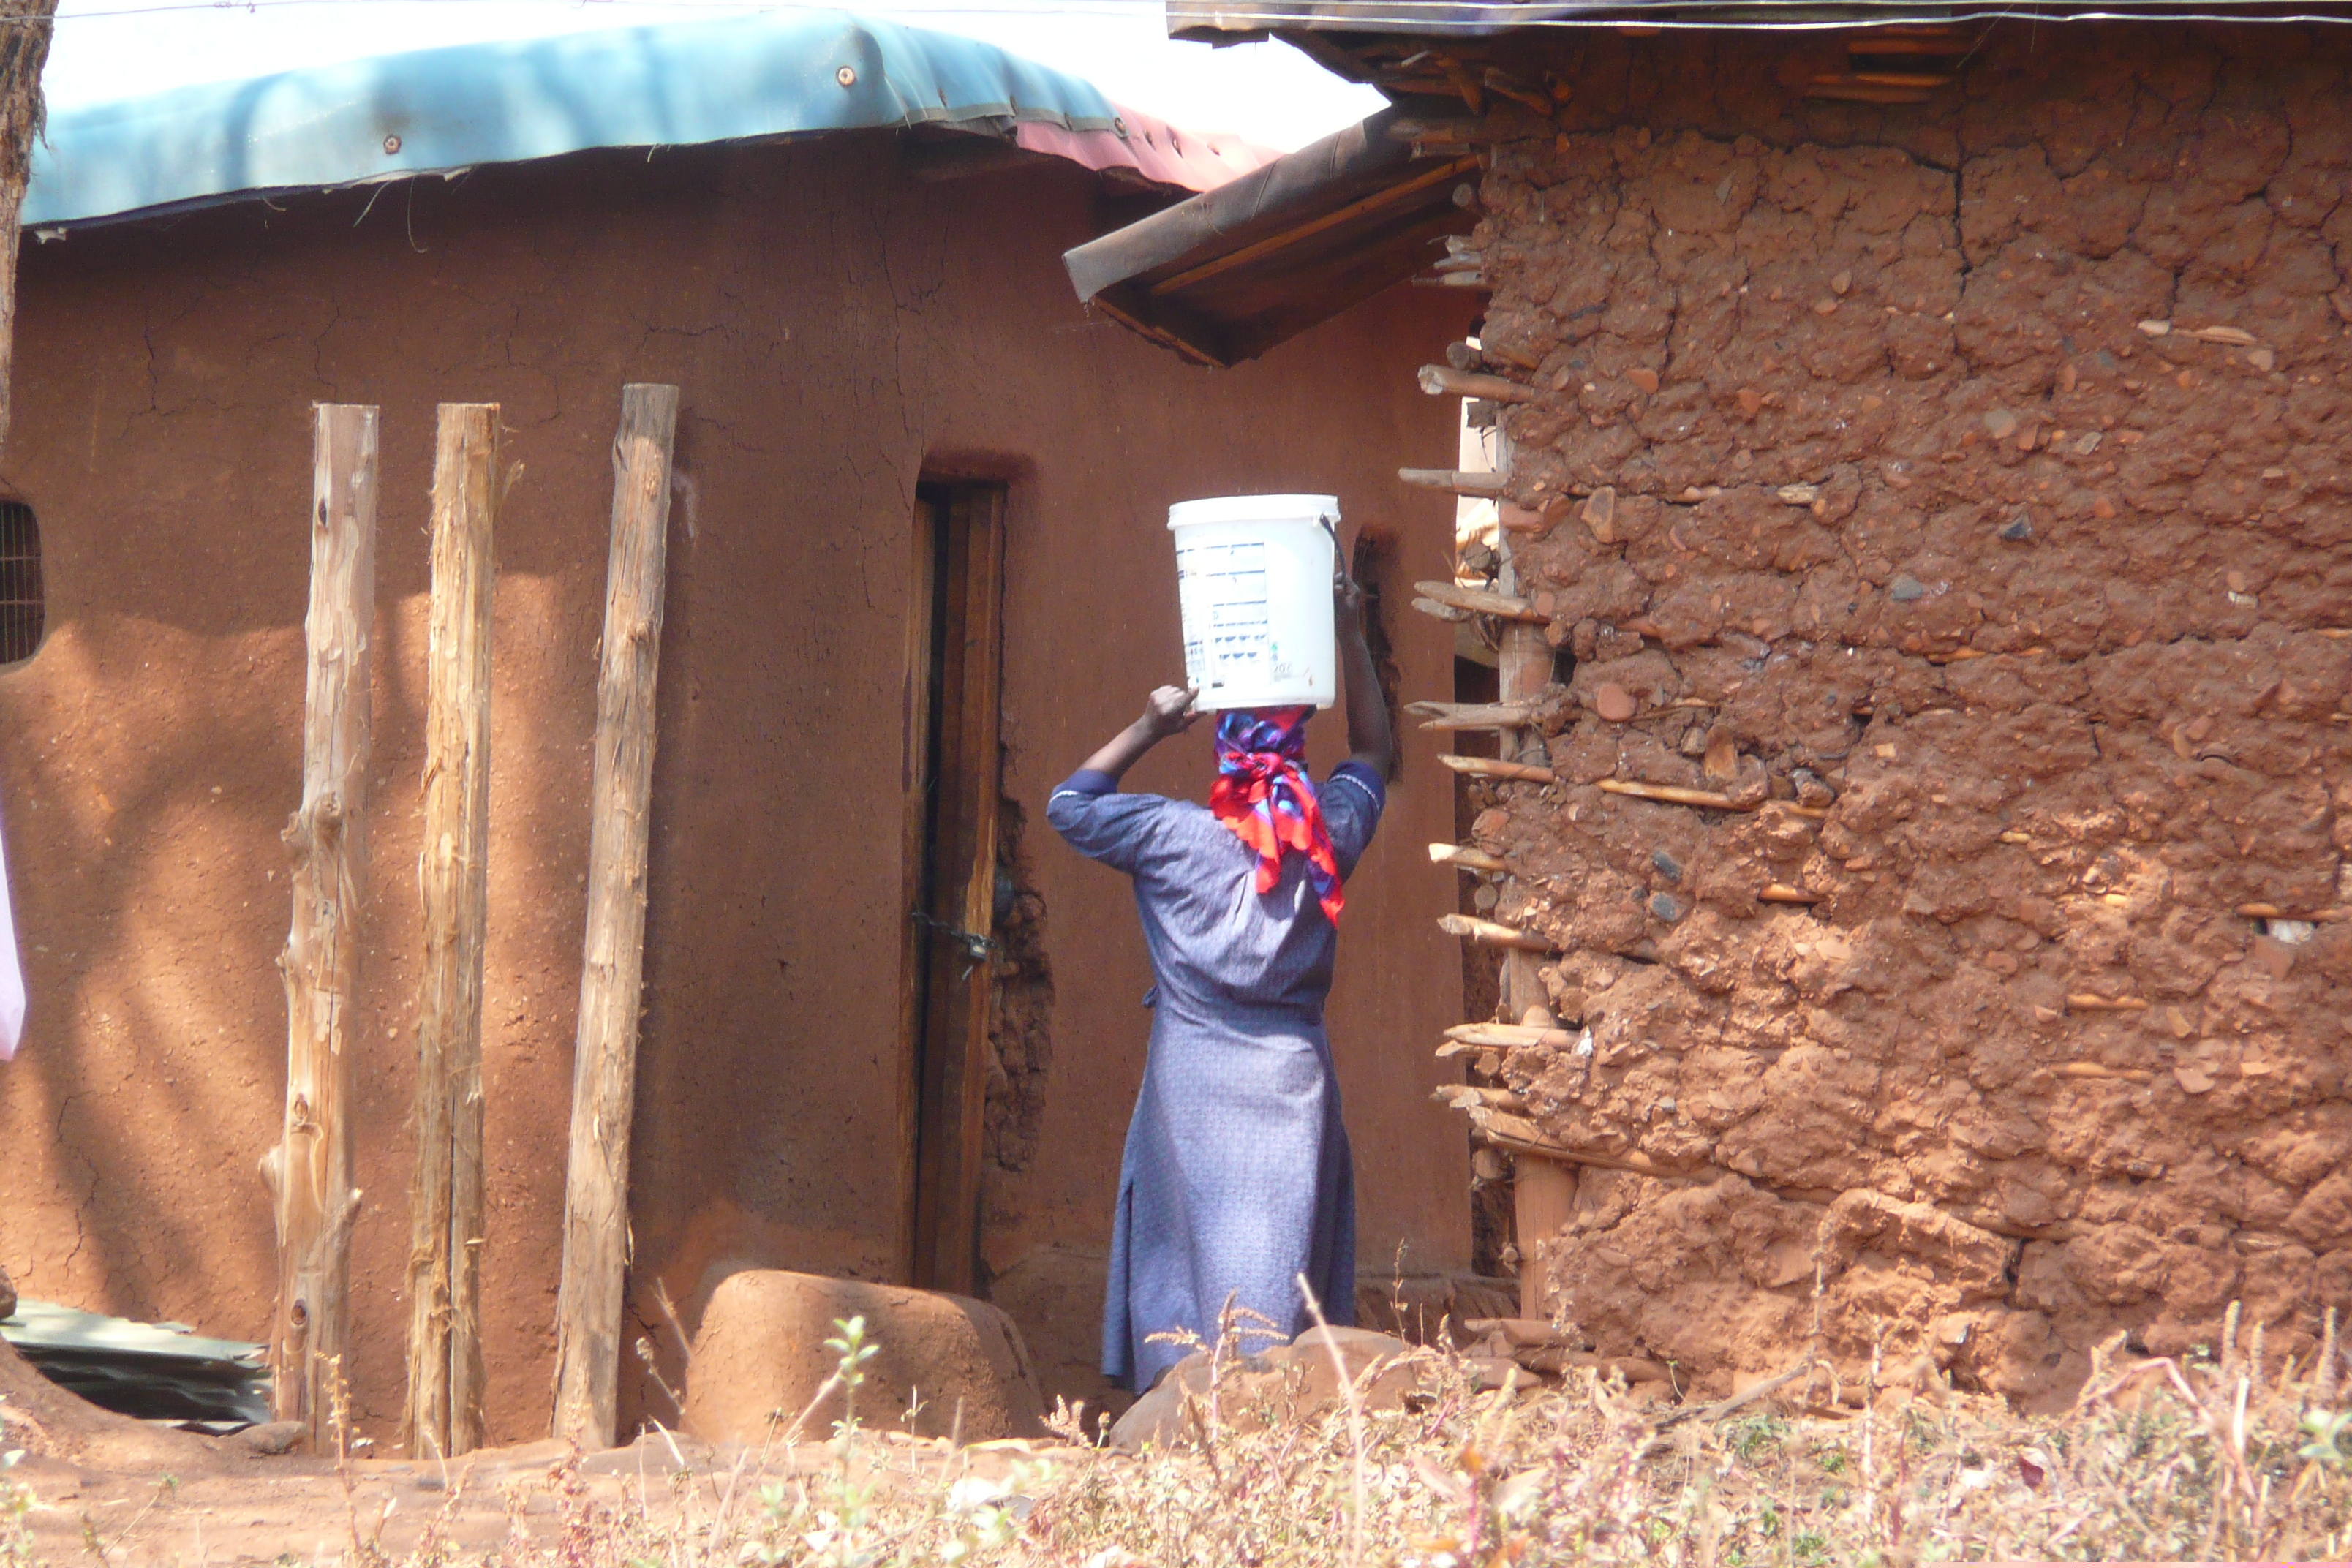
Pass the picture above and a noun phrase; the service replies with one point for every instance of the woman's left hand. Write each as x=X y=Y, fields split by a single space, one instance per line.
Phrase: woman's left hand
x=1347 y=603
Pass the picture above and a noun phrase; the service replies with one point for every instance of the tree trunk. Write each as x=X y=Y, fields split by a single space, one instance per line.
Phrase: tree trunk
x=24 y=29
x=444 y=1411
x=310 y=1171
x=605 y=1060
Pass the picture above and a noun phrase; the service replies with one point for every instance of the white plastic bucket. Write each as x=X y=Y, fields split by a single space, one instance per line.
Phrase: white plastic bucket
x=1253 y=579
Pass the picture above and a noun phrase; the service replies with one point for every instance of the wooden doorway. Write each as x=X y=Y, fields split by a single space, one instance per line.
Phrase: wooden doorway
x=953 y=787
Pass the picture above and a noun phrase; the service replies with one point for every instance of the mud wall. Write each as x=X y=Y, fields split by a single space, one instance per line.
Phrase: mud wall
x=838 y=331
x=1983 y=469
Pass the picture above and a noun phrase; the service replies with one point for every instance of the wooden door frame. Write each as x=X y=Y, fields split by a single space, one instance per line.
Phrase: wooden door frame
x=952 y=783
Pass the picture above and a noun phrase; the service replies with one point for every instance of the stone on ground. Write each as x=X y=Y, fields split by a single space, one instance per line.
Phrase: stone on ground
x=947 y=1366
x=1291 y=1382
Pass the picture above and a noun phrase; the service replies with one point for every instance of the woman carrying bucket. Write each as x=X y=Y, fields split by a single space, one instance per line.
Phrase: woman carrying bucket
x=1236 y=1181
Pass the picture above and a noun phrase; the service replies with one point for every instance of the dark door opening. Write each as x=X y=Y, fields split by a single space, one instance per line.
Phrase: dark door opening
x=953 y=693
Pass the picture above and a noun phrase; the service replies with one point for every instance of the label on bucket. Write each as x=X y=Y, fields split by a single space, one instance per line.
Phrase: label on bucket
x=1223 y=588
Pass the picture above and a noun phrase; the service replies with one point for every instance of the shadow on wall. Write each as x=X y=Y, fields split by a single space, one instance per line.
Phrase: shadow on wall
x=149 y=771
x=134 y=1094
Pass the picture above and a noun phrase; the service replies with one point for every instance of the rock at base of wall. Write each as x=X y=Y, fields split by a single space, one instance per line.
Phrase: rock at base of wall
x=946 y=1366
x=1426 y=1308
x=7 y=1296
x=1287 y=1382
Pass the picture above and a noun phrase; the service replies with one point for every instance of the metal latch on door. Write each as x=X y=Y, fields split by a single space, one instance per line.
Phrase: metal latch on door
x=977 y=948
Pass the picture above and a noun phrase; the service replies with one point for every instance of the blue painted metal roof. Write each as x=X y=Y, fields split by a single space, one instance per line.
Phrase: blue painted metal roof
x=448 y=108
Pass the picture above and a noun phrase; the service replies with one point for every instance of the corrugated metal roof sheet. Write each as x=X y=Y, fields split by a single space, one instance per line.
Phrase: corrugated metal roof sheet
x=157 y=1372
x=438 y=110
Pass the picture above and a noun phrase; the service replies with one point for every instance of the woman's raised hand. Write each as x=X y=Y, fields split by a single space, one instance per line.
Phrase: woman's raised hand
x=1168 y=711
x=1346 y=601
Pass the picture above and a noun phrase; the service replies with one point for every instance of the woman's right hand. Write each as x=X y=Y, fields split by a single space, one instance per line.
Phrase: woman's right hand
x=1168 y=711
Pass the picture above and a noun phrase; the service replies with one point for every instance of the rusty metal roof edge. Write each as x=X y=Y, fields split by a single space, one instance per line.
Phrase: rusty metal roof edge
x=1223 y=20
x=1292 y=181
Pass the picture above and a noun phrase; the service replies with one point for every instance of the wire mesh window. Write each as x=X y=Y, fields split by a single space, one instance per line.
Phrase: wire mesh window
x=22 y=613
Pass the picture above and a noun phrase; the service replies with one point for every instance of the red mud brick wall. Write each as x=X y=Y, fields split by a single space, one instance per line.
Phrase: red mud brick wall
x=2051 y=620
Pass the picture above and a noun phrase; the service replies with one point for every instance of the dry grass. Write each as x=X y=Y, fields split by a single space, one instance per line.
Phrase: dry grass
x=2158 y=1460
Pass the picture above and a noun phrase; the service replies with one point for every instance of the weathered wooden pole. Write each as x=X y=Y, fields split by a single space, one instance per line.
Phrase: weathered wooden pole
x=444 y=1411
x=604 y=1063
x=26 y=27
x=310 y=1171
x=1543 y=1195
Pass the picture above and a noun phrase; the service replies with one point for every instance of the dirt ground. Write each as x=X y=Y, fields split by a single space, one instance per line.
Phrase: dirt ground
x=252 y=1509
x=106 y=1488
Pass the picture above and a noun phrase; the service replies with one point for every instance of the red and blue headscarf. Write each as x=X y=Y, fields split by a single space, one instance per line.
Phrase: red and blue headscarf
x=1264 y=794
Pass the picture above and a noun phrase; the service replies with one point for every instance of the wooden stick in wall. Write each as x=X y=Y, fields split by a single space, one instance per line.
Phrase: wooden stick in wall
x=604 y=1064
x=2091 y=1002
x=1493 y=768
x=1509 y=1036
x=1480 y=601
x=1674 y=794
x=1460 y=481
x=310 y=1171
x=1472 y=715
x=1469 y=860
x=1442 y=381
x=1523 y=1137
x=1465 y=1097
x=443 y=1413
x=1492 y=933
x=2096 y=1070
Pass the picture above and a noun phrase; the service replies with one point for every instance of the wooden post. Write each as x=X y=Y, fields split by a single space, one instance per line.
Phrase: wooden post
x=604 y=1064
x=444 y=1411
x=1544 y=1195
x=310 y=1171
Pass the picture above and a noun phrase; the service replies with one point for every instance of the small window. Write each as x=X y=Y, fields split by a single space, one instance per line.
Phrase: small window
x=22 y=615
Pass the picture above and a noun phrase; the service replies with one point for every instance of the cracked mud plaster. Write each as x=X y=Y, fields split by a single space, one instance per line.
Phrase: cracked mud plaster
x=2055 y=371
